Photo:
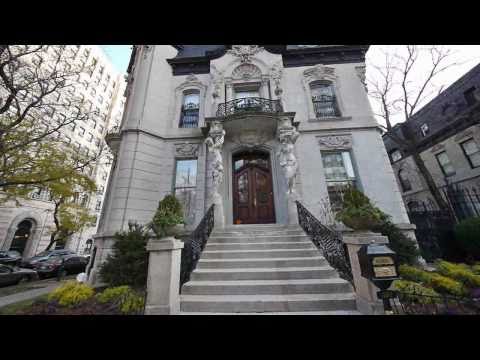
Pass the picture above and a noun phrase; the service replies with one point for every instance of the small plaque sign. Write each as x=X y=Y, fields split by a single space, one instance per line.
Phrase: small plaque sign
x=382 y=260
x=384 y=271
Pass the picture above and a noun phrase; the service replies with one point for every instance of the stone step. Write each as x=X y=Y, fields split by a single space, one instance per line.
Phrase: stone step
x=255 y=254
x=261 y=239
x=267 y=287
x=319 y=272
x=258 y=232
x=261 y=262
x=260 y=246
x=309 y=313
x=267 y=303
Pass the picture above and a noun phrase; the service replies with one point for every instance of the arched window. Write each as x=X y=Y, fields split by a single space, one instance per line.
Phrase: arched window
x=190 y=109
x=404 y=181
x=324 y=100
x=21 y=236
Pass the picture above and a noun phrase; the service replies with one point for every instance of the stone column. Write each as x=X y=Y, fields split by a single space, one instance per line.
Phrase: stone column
x=214 y=141
x=287 y=136
x=163 y=281
x=365 y=291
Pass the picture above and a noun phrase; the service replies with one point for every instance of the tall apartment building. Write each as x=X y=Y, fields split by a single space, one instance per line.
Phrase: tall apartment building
x=26 y=227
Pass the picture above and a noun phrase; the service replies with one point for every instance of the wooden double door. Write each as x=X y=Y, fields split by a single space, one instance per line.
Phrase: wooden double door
x=252 y=189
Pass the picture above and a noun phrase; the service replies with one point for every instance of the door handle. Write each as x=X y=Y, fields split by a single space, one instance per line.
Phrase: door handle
x=254 y=202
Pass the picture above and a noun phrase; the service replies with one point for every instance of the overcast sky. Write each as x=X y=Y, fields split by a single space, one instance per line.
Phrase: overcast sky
x=467 y=56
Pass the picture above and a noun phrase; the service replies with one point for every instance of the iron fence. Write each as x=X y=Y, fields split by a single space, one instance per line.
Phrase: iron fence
x=328 y=241
x=195 y=244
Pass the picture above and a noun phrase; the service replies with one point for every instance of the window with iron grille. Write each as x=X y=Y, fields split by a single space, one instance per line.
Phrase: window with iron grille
x=404 y=181
x=471 y=151
x=445 y=164
x=324 y=100
x=185 y=186
x=339 y=175
x=190 y=109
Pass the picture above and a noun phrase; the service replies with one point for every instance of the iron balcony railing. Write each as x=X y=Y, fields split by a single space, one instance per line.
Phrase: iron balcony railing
x=189 y=116
x=328 y=241
x=251 y=104
x=194 y=245
x=325 y=106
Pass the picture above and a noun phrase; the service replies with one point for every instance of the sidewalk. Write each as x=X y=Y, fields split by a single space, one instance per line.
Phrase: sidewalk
x=27 y=295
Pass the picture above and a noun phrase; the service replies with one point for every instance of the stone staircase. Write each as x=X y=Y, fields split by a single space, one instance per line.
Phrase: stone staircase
x=267 y=269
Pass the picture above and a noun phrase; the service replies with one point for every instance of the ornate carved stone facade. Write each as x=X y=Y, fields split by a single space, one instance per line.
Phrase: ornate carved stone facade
x=332 y=142
x=186 y=150
x=245 y=52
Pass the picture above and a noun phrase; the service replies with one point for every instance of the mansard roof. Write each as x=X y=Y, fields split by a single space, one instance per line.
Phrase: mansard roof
x=445 y=114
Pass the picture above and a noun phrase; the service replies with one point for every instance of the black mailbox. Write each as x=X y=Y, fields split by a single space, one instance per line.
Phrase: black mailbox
x=378 y=263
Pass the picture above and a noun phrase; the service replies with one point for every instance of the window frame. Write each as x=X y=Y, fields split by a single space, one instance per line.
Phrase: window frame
x=465 y=152
x=194 y=187
x=335 y=105
x=405 y=182
x=441 y=166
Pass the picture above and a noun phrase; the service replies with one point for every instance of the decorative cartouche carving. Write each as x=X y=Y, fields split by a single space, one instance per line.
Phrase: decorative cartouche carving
x=320 y=72
x=276 y=75
x=361 y=73
x=217 y=80
x=287 y=136
x=335 y=142
x=246 y=72
x=251 y=138
x=244 y=52
x=186 y=150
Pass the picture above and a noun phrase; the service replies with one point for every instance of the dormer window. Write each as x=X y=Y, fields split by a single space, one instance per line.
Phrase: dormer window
x=424 y=129
x=324 y=100
x=190 y=109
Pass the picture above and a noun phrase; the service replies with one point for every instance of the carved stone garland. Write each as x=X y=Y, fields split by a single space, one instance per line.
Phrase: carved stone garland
x=245 y=52
x=186 y=150
x=330 y=142
x=214 y=142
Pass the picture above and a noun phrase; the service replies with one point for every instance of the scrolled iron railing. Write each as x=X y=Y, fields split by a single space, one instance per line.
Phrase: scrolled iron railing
x=189 y=116
x=328 y=241
x=325 y=106
x=251 y=104
x=195 y=244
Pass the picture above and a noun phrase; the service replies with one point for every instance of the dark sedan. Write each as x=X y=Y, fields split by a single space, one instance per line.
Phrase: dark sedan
x=66 y=265
x=10 y=257
x=32 y=262
x=12 y=276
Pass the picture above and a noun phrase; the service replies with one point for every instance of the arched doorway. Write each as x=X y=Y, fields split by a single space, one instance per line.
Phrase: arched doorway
x=252 y=188
x=21 y=236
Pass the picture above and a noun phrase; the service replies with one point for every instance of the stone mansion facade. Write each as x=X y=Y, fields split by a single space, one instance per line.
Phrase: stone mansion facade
x=249 y=128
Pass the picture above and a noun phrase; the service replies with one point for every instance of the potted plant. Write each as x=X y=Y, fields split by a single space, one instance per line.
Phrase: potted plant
x=357 y=212
x=168 y=219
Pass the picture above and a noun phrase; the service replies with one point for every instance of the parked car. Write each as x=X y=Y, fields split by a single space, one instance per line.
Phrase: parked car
x=43 y=256
x=12 y=276
x=67 y=264
x=10 y=257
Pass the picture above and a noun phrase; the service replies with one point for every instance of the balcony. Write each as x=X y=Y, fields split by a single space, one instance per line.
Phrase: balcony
x=112 y=138
x=246 y=105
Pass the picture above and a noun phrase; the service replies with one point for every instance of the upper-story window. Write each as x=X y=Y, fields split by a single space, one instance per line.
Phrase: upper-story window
x=395 y=155
x=247 y=96
x=404 y=181
x=190 y=109
x=445 y=164
x=324 y=100
x=471 y=151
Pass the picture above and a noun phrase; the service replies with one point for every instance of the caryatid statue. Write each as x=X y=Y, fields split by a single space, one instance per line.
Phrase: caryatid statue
x=214 y=141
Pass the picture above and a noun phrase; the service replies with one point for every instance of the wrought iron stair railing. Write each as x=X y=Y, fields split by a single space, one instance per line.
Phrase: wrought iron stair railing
x=194 y=245
x=251 y=104
x=328 y=241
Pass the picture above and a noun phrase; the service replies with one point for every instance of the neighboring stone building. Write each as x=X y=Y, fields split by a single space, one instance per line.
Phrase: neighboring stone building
x=447 y=131
x=249 y=128
x=26 y=227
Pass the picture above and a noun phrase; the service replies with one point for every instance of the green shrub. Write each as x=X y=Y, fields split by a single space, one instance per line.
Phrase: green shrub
x=71 y=293
x=459 y=272
x=476 y=269
x=124 y=297
x=413 y=274
x=414 y=291
x=467 y=236
x=128 y=265
x=357 y=212
x=168 y=214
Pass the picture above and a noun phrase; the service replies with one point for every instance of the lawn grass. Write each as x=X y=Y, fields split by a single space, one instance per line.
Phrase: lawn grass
x=13 y=309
